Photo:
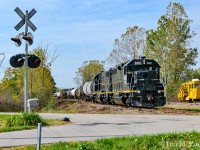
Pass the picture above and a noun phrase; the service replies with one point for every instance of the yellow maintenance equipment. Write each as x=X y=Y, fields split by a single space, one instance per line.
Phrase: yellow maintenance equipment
x=189 y=91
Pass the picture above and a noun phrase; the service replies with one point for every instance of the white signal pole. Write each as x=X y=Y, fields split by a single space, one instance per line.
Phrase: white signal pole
x=26 y=67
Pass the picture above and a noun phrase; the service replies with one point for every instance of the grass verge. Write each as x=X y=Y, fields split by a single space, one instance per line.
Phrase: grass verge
x=16 y=122
x=70 y=108
x=193 y=110
x=175 y=141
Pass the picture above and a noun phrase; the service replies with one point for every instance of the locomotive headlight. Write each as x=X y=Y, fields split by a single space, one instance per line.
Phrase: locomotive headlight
x=159 y=91
x=138 y=91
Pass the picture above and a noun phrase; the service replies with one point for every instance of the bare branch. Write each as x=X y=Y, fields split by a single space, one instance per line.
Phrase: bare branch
x=48 y=57
x=130 y=45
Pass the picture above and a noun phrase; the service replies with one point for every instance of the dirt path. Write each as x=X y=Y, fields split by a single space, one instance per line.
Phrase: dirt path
x=82 y=106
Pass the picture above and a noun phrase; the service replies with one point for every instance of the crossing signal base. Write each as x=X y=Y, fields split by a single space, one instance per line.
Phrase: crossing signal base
x=17 y=61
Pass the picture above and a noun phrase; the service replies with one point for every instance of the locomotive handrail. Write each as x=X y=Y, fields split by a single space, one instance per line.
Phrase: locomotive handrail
x=106 y=89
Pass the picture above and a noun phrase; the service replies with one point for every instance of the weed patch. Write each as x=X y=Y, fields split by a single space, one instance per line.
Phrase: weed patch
x=24 y=119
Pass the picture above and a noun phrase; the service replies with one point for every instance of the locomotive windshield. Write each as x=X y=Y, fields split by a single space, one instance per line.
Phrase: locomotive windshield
x=197 y=85
x=147 y=71
x=142 y=74
x=145 y=68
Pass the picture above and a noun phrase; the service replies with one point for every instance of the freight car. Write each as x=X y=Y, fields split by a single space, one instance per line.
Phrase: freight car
x=134 y=83
x=65 y=93
x=189 y=91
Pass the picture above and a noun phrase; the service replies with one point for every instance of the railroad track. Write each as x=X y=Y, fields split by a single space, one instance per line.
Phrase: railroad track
x=87 y=107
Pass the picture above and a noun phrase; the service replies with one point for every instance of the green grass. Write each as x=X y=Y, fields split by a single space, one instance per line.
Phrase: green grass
x=173 y=141
x=70 y=108
x=24 y=121
x=187 y=109
x=193 y=110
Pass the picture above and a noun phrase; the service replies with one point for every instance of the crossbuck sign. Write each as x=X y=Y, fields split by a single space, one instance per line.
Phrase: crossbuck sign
x=22 y=22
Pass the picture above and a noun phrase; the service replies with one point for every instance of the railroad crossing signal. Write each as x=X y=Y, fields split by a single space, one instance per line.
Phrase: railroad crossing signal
x=17 y=40
x=31 y=61
x=29 y=38
x=28 y=22
x=17 y=61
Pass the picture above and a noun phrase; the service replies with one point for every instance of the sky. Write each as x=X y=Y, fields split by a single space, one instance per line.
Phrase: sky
x=82 y=30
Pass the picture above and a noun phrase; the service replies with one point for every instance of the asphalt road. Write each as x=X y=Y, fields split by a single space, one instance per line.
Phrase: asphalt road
x=94 y=126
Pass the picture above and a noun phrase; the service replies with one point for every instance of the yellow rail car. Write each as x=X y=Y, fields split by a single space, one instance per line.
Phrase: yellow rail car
x=189 y=91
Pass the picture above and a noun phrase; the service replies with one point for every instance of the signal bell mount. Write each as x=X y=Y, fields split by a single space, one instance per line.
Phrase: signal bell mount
x=27 y=36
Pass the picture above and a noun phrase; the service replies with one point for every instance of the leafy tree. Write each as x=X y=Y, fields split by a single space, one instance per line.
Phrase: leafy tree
x=191 y=74
x=130 y=45
x=13 y=82
x=41 y=82
x=88 y=70
x=169 y=44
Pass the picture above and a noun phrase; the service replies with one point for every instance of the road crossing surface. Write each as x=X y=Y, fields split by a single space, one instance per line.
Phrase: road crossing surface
x=94 y=126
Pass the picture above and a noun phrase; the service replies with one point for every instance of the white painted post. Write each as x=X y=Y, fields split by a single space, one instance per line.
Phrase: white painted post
x=39 y=132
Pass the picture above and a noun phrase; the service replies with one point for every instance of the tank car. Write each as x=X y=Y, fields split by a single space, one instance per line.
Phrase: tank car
x=73 y=93
x=87 y=90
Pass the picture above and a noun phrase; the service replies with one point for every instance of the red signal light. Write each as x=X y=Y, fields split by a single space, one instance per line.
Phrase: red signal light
x=33 y=61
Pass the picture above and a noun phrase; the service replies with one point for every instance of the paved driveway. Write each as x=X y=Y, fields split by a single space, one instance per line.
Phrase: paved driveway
x=94 y=126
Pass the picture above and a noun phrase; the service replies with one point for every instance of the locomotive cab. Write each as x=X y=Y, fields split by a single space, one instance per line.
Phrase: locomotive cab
x=143 y=80
x=194 y=90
